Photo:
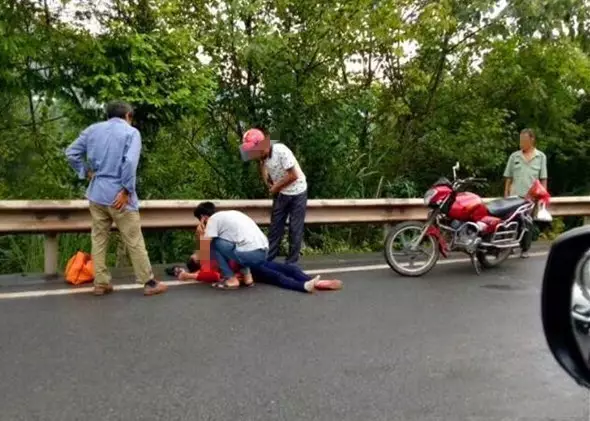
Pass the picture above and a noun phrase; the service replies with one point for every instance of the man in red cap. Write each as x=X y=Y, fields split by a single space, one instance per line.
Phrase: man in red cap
x=287 y=183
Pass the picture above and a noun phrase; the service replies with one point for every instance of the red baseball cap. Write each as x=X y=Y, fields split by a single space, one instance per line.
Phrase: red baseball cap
x=251 y=141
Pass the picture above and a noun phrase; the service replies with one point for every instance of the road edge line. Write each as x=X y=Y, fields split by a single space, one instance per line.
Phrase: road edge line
x=128 y=287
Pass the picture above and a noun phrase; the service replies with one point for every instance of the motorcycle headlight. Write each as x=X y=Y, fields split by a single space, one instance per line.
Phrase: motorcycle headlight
x=429 y=196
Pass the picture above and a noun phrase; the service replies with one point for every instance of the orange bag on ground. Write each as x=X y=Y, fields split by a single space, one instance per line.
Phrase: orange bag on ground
x=80 y=269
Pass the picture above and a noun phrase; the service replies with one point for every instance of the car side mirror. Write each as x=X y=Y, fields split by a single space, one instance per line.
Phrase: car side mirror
x=455 y=169
x=565 y=303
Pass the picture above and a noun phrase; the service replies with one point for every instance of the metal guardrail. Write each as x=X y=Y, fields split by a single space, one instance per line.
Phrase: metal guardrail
x=52 y=217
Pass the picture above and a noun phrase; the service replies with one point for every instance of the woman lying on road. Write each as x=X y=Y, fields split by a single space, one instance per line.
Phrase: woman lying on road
x=279 y=274
x=194 y=271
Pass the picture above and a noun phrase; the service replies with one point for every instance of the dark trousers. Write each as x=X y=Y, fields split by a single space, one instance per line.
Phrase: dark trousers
x=224 y=251
x=293 y=207
x=527 y=240
x=282 y=275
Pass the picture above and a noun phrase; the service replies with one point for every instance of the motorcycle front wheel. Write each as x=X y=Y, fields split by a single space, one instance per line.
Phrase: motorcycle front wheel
x=399 y=254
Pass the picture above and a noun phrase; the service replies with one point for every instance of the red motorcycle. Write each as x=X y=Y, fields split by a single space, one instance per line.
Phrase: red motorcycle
x=460 y=221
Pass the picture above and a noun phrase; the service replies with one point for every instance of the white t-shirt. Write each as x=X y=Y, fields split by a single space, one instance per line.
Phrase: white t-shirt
x=280 y=160
x=238 y=228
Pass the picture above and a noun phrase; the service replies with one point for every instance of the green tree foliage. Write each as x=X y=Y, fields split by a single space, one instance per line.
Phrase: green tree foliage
x=377 y=98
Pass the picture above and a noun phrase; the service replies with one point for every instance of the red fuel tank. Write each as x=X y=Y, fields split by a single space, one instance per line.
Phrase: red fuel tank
x=468 y=207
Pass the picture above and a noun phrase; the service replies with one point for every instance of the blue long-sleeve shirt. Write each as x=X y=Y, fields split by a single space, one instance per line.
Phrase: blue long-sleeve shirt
x=110 y=149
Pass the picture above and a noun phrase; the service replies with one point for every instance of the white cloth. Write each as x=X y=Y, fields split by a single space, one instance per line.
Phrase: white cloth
x=281 y=160
x=238 y=228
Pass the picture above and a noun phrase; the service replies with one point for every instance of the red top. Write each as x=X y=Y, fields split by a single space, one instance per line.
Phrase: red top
x=211 y=273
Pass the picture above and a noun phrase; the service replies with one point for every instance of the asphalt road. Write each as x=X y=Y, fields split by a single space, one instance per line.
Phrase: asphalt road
x=449 y=346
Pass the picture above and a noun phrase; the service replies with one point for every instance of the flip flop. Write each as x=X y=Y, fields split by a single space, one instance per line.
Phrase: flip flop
x=245 y=285
x=223 y=285
x=329 y=285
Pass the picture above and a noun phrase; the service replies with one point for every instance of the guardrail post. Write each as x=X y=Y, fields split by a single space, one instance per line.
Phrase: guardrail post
x=51 y=247
x=386 y=229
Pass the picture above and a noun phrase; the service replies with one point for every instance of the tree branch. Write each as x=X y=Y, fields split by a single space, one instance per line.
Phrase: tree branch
x=33 y=123
x=435 y=81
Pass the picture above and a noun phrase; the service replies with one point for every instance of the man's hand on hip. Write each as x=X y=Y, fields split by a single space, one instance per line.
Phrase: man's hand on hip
x=122 y=200
x=273 y=190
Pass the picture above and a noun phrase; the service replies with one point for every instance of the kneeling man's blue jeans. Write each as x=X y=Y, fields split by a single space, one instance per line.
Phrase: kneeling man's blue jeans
x=224 y=251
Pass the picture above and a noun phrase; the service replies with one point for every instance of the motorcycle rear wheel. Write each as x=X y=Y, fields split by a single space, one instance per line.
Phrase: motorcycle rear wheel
x=487 y=263
x=407 y=268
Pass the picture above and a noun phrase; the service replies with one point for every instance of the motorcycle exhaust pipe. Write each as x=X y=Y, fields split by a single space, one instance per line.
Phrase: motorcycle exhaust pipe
x=500 y=246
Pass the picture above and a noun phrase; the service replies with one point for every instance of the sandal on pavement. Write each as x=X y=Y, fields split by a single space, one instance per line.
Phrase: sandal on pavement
x=158 y=288
x=102 y=289
x=329 y=284
x=224 y=285
x=246 y=281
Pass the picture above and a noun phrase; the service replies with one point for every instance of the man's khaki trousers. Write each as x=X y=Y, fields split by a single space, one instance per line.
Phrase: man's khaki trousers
x=129 y=226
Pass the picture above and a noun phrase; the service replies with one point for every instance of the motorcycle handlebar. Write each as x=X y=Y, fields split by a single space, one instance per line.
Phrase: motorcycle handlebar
x=472 y=180
x=461 y=184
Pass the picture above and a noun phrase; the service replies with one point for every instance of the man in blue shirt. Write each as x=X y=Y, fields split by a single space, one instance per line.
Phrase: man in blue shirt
x=107 y=153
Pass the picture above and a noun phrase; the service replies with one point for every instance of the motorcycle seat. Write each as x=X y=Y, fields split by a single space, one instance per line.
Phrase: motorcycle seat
x=501 y=208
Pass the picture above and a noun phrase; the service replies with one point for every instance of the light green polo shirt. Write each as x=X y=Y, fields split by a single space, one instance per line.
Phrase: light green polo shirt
x=524 y=173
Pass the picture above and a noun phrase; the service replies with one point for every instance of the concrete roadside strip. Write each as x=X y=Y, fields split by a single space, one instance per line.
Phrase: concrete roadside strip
x=125 y=287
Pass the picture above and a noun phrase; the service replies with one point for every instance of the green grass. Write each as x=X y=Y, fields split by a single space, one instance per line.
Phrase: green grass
x=557 y=227
x=25 y=253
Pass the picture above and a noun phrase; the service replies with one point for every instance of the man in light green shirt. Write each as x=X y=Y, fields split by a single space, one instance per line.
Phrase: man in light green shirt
x=524 y=167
